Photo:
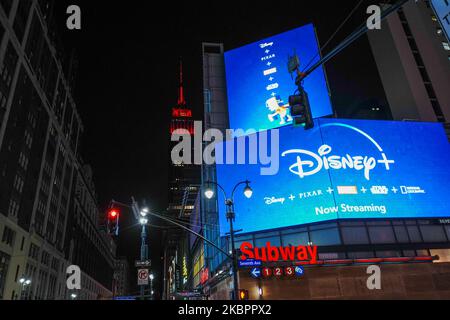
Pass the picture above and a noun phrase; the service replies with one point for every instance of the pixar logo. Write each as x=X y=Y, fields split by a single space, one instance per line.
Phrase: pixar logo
x=309 y=163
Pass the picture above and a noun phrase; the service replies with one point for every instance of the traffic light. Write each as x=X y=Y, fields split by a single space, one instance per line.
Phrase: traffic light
x=113 y=221
x=301 y=110
x=243 y=295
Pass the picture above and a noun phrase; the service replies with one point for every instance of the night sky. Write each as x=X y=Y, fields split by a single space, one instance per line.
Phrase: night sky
x=127 y=79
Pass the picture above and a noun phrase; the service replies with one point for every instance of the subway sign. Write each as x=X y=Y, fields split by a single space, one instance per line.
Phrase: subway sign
x=341 y=169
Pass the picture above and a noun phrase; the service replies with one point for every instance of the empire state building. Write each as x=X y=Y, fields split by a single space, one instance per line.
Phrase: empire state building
x=184 y=179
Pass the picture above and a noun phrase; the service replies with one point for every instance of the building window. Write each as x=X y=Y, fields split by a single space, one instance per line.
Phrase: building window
x=326 y=237
x=388 y=254
x=13 y=208
x=361 y=255
x=433 y=234
x=4 y=264
x=401 y=234
x=34 y=252
x=382 y=235
x=446 y=46
x=295 y=239
x=8 y=236
x=355 y=235
x=414 y=234
x=262 y=242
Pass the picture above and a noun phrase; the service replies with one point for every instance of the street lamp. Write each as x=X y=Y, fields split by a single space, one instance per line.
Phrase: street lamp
x=248 y=192
x=144 y=212
x=209 y=193
x=25 y=283
x=151 y=284
x=231 y=216
x=73 y=296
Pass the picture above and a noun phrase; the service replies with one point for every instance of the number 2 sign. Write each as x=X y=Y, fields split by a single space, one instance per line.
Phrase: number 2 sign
x=278 y=272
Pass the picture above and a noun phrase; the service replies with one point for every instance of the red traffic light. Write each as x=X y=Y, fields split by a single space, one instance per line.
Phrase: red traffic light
x=113 y=214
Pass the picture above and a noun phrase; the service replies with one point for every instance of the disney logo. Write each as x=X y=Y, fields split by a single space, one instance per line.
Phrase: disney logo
x=270 y=201
x=323 y=160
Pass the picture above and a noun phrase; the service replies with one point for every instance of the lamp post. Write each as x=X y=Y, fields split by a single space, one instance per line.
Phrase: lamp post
x=231 y=216
x=24 y=284
x=144 y=247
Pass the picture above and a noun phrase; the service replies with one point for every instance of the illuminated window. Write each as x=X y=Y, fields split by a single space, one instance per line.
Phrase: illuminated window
x=446 y=46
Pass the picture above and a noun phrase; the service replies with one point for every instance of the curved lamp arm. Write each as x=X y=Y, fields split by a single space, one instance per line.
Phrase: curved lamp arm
x=219 y=186
x=235 y=188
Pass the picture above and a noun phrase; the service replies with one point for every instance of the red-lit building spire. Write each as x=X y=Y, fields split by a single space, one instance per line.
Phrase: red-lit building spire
x=181 y=114
x=181 y=100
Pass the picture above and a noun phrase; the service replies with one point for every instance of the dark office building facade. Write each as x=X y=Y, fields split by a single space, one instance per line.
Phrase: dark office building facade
x=40 y=132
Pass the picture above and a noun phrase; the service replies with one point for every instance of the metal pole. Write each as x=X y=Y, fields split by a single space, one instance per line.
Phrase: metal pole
x=143 y=254
x=230 y=217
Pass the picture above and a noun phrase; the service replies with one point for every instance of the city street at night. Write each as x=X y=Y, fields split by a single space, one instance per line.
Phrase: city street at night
x=224 y=159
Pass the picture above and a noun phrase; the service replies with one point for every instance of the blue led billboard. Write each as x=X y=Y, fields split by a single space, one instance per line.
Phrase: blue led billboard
x=259 y=84
x=343 y=169
x=442 y=9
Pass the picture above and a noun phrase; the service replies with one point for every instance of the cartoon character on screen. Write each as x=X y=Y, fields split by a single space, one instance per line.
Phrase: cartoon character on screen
x=279 y=109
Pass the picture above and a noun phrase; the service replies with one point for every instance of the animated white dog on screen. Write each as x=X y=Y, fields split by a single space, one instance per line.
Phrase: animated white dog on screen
x=282 y=111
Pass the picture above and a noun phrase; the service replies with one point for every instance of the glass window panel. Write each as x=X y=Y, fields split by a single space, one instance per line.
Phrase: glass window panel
x=402 y=234
x=355 y=235
x=414 y=234
x=244 y=238
x=423 y=253
x=268 y=234
x=379 y=235
x=433 y=234
x=409 y=253
x=237 y=244
x=274 y=241
x=323 y=226
x=351 y=223
x=378 y=223
x=361 y=255
x=297 y=239
x=447 y=228
x=296 y=230
x=389 y=254
x=329 y=237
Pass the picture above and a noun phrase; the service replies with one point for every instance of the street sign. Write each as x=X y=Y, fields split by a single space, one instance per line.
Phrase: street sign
x=278 y=272
x=289 y=271
x=143 y=276
x=299 y=271
x=140 y=264
x=249 y=263
x=267 y=272
x=256 y=273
